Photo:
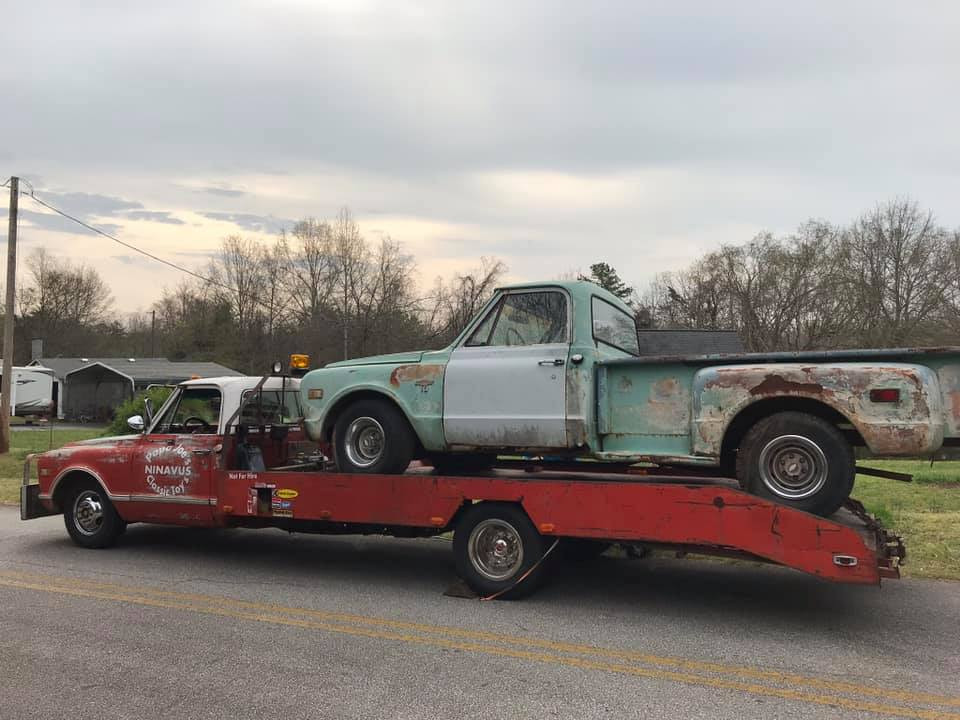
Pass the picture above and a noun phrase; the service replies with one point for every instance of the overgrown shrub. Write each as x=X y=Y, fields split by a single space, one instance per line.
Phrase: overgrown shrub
x=135 y=406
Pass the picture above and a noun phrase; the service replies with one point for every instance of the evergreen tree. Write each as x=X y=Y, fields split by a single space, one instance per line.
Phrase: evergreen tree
x=606 y=277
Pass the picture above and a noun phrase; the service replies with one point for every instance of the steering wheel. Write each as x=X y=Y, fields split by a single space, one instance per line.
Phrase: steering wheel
x=193 y=423
x=518 y=335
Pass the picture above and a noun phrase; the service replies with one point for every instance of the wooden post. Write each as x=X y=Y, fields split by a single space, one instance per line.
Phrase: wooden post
x=5 y=383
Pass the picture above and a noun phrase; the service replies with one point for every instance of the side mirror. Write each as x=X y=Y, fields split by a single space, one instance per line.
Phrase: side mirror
x=136 y=423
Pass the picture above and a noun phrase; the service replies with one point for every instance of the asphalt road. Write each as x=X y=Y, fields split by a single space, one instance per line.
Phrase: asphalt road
x=251 y=624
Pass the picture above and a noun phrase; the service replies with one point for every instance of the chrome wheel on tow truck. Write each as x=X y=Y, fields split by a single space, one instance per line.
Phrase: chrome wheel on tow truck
x=88 y=512
x=90 y=517
x=497 y=550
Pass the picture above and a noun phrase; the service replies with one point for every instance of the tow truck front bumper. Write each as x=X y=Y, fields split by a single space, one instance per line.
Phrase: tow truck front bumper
x=31 y=506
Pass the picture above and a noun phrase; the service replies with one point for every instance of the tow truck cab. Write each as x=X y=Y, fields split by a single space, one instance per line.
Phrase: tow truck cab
x=164 y=473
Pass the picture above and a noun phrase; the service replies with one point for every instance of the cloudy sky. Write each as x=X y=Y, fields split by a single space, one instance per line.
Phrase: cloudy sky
x=549 y=134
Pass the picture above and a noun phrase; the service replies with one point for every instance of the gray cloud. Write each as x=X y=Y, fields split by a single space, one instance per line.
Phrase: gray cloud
x=57 y=223
x=248 y=221
x=223 y=190
x=135 y=260
x=195 y=253
x=159 y=216
x=456 y=87
x=720 y=119
x=84 y=205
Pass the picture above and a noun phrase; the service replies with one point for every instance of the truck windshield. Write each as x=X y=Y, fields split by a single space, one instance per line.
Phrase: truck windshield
x=612 y=326
x=194 y=410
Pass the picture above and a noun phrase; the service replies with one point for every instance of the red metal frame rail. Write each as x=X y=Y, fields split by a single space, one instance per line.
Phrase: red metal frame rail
x=688 y=513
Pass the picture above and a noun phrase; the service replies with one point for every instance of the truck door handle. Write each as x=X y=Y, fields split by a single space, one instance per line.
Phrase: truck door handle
x=556 y=362
x=204 y=451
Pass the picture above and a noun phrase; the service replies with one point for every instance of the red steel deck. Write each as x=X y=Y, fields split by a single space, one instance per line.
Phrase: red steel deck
x=688 y=513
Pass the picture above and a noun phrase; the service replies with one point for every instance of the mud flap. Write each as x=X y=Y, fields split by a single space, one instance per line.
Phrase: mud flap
x=30 y=505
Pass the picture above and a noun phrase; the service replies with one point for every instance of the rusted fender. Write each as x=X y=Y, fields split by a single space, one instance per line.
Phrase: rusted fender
x=912 y=426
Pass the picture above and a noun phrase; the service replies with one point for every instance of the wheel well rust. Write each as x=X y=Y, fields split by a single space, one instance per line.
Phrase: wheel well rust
x=755 y=412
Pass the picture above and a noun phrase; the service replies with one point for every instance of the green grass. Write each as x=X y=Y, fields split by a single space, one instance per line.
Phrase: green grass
x=925 y=512
x=24 y=442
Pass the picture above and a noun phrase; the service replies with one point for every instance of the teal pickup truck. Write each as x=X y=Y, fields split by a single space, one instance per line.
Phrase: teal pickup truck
x=556 y=369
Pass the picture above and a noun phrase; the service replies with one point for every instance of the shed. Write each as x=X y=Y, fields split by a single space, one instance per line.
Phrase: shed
x=92 y=388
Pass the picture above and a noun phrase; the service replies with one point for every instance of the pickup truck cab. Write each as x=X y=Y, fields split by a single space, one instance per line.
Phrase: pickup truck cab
x=555 y=370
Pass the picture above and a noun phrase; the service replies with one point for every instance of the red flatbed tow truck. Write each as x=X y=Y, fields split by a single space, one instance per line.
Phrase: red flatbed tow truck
x=226 y=452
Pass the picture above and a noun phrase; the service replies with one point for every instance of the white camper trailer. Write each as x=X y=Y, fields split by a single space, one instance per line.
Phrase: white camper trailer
x=32 y=392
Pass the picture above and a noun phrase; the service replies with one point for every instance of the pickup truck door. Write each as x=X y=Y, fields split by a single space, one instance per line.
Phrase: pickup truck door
x=505 y=385
x=172 y=467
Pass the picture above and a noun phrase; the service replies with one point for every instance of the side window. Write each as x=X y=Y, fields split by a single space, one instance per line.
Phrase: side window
x=533 y=318
x=614 y=327
x=194 y=410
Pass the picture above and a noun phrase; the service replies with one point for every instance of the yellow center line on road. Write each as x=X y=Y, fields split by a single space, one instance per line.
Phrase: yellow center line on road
x=609 y=653
x=213 y=605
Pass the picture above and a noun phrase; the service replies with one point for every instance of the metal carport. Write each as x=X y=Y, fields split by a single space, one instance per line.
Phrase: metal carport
x=94 y=391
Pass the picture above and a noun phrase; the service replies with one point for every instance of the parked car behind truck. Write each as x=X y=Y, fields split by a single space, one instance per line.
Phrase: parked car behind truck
x=556 y=369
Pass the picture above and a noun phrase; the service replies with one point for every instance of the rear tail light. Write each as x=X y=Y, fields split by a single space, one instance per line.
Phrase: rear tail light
x=885 y=395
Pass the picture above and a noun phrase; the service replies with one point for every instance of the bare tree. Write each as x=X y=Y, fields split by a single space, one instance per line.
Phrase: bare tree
x=238 y=272
x=350 y=258
x=452 y=305
x=66 y=304
x=896 y=267
x=310 y=267
x=274 y=296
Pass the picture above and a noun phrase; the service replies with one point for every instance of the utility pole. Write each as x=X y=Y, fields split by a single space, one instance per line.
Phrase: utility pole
x=5 y=383
x=153 y=332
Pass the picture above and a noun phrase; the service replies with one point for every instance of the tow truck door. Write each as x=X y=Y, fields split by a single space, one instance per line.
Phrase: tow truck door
x=172 y=469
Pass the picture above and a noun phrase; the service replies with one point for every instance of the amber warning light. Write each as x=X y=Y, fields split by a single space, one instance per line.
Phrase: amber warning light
x=885 y=395
x=299 y=362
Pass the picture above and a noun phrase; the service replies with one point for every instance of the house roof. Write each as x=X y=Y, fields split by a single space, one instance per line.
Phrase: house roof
x=140 y=369
x=689 y=342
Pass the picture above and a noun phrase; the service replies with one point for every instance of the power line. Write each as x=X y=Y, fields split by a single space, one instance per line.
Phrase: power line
x=117 y=240
x=270 y=308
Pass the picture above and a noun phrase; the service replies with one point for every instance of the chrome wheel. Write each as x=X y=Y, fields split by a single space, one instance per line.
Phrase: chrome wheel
x=495 y=549
x=364 y=441
x=88 y=512
x=793 y=467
